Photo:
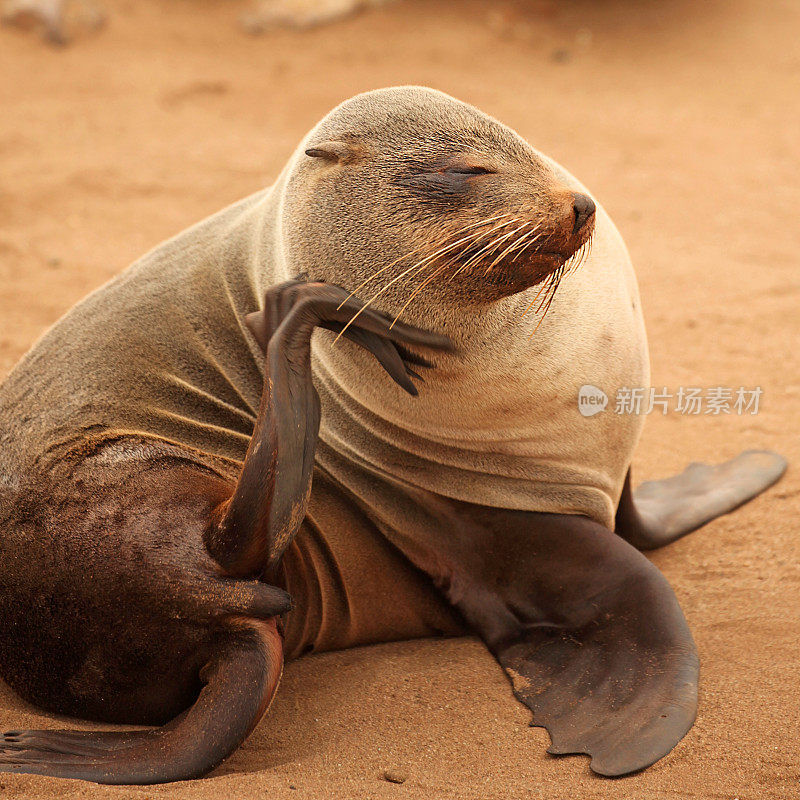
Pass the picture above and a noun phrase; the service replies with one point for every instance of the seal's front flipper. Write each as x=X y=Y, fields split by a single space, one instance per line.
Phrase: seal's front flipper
x=659 y=512
x=621 y=687
x=587 y=628
x=240 y=683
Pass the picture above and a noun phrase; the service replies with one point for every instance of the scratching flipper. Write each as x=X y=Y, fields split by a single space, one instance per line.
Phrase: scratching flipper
x=253 y=528
x=239 y=685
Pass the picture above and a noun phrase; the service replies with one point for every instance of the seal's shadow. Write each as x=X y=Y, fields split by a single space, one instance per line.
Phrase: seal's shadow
x=351 y=701
x=365 y=702
x=17 y=714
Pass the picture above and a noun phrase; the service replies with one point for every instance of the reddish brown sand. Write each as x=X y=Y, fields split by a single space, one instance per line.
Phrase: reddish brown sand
x=682 y=117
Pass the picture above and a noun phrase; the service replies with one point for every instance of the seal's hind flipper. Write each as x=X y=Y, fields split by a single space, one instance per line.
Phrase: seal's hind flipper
x=622 y=687
x=239 y=685
x=659 y=512
x=588 y=630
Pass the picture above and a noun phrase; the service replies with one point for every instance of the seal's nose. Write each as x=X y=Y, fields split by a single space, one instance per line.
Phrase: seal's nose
x=583 y=207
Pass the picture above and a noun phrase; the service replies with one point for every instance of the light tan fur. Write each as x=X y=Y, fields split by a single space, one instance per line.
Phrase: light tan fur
x=163 y=351
x=497 y=423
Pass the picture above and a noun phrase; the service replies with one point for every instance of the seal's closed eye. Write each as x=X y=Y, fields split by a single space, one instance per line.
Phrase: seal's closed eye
x=468 y=170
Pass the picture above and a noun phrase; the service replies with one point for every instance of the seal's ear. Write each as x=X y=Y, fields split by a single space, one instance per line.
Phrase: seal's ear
x=335 y=151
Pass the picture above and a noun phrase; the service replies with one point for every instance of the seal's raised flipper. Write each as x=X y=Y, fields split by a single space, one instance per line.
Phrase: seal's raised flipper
x=252 y=529
x=240 y=682
x=588 y=630
x=659 y=512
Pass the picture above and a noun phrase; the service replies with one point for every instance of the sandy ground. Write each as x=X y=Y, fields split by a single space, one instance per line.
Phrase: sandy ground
x=683 y=119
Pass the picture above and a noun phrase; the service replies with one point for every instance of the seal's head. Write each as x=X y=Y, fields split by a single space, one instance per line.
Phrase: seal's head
x=407 y=194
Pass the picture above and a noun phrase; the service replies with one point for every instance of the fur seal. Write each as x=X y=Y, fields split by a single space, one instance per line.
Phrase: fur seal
x=224 y=456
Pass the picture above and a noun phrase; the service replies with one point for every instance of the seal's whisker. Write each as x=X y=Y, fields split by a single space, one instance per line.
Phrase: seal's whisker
x=381 y=270
x=506 y=252
x=536 y=297
x=551 y=293
x=553 y=281
x=576 y=259
x=416 y=291
x=584 y=257
x=509 y=235
x=554 y=284
x=550 y=299
x=417 y=266
x=416 y=250
x=529 y=241
x=492 y=246
x=550 y=286
x=421 y=264
x=524 y=245
x=493 y=243
x=519 y=240
x=546 y=290
x=475 y=257
x=525 y=237
x=488 y=249
x=373 y=298
x=470 y=239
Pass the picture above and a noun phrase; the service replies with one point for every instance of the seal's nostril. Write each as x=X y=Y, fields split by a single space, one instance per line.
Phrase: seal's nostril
x=583 y=208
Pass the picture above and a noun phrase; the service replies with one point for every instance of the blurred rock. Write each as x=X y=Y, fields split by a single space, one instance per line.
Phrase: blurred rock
x=301 y=13
x=58 y=20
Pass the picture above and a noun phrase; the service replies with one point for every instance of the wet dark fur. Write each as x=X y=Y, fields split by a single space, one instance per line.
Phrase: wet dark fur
x=108 y=599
